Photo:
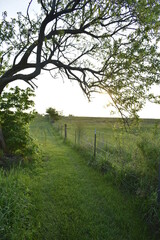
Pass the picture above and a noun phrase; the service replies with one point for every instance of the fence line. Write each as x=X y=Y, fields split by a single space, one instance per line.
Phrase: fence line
x=99 y=147
x=82 y=138
x=77 y=137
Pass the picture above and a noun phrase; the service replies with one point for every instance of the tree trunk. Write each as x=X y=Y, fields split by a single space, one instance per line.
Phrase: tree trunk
x=2 y=142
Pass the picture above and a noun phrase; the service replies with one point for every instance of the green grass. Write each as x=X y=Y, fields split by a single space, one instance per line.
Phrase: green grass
x=77 y=202
x=110 y=134
x=132 y=157
x=136 y=150
x=16 y=220
x=63 y=199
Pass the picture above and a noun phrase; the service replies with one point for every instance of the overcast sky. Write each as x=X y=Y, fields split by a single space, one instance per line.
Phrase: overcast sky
x=64 y=95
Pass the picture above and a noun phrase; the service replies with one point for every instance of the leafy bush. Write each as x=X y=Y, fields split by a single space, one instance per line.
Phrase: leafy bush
x=139 y=175
x=15 y=116
x=149 y=145
x=103 y=164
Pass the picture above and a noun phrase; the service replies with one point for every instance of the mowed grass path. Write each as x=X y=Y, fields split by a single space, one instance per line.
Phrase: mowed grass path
x=73 y=201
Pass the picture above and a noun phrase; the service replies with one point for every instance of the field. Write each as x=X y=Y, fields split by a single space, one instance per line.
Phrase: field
x=112 y=139
x=68 y=193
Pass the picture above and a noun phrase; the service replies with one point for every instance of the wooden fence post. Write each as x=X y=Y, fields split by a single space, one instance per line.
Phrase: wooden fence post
x=65 y=132
x=95 y=144
x=158 y=196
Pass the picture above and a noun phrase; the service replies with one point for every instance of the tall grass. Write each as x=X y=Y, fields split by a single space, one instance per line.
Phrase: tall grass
x=15 y=205
x=17 y=208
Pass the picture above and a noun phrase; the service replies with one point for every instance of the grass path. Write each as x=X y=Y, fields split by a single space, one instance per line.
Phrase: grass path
x=74 y=202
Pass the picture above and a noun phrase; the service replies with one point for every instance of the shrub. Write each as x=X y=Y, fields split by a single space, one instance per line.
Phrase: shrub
x=15 y=116
x=149 y=145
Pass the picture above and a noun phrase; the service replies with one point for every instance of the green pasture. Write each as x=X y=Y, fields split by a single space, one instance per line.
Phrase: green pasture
x=108 y=129
x=119 y=145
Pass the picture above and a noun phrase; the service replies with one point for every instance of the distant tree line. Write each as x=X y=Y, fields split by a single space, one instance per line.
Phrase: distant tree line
x=54 y=115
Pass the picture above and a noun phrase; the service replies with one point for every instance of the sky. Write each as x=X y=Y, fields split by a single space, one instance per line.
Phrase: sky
x=67 y=96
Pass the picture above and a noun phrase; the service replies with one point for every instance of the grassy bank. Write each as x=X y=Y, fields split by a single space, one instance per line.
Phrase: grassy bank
x=63 y=198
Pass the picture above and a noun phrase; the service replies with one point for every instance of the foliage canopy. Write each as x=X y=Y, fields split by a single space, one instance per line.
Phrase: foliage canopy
x=103 y=45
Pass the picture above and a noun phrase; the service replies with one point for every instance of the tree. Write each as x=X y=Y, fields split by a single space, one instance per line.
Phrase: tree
x=103 y=45
x=53 y=114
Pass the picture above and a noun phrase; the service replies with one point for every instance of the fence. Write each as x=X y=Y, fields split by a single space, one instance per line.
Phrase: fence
x=95 y=142
x=101 y=146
